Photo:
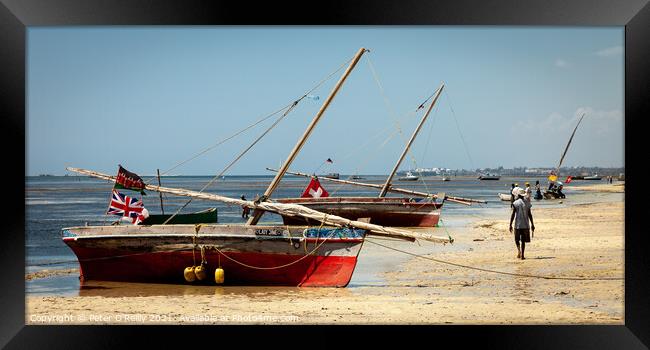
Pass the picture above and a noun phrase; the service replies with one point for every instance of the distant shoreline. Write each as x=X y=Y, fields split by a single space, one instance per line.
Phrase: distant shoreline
x=342 y=176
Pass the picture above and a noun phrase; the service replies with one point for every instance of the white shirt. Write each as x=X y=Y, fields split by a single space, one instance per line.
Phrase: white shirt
x=521 y=208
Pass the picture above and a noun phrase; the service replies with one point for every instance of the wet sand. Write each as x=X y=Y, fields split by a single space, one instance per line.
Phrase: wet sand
x=615 y=187
x=584 y=240
x=49 y=273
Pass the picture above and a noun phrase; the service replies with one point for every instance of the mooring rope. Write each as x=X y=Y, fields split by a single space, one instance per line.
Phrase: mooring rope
x=274 y=267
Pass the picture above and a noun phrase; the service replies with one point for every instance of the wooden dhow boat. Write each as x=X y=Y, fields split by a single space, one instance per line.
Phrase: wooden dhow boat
x=387 y=211
x=249 y=254
x=324 y=255
x=552 y=192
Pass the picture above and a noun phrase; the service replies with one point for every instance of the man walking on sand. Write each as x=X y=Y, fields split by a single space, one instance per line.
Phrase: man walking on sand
x=521 y=214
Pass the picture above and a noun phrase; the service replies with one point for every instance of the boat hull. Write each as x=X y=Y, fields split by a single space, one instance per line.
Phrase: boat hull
x=505 y=197
x=553 y=195
x=409 y=178
x=398 y=212
x=161 y=253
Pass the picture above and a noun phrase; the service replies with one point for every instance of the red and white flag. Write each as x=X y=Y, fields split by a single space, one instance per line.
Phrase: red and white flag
x=127 y=207
x=314 y=190
x=568 y=179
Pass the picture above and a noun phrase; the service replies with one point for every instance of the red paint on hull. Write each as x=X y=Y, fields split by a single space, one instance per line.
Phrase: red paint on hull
x=385 y=219
x=313 y=271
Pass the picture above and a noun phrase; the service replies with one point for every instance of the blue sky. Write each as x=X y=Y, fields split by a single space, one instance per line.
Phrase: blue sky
x=150 y=97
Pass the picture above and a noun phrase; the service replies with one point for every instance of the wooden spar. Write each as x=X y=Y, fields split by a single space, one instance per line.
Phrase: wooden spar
x=384 y=189
x=459 y=200
x=287 y=209
x=557 y=170
x=162 y=210
x=257 y=214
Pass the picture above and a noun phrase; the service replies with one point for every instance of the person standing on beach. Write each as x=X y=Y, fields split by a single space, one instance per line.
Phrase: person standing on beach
x=528 y=192
x=521 y=214
x=245 y=209
x=538 y=190
x=513 y=193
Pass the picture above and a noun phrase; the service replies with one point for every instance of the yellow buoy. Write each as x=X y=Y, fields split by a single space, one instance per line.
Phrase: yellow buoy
x=219 y=275
x=189 y=274
x=200 y=272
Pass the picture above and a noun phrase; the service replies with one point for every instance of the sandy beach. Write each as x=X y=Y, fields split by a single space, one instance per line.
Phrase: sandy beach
x=580 y=243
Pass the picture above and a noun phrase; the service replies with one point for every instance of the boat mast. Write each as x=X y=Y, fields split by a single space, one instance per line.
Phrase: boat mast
x=162 y=210
x=557 y=170
x=257 y=214
x=384 y=189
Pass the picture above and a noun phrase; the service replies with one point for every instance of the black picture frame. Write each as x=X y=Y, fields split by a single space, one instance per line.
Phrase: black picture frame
x=16 y=15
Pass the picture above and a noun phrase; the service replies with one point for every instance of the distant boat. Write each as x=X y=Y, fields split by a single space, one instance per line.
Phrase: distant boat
x=332 y=175
x=489 y=177
x=445 y=178
x=409 y=177
x=505 y=197
x=356 y=177
x=593 y=177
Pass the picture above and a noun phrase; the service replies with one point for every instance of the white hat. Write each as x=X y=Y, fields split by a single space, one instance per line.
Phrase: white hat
x=515 y=190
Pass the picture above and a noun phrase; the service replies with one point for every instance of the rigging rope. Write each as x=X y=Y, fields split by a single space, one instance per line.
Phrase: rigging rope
x=388 y=106
x=290 y=105
x=426 y=148
x=396 y=120
x=236 y=159
x=221 y=142
x=384 y=97
x=458 y=128
x=496 y=271
x=288 y=109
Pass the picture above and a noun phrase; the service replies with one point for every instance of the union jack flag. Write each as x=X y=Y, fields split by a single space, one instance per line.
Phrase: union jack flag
x=126 y=206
